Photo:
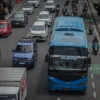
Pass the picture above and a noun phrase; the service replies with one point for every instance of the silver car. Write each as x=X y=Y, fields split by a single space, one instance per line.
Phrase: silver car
x=28 y=8
x=36 y=3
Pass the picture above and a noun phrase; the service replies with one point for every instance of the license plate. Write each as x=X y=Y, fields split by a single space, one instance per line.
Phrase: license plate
x=22 y=63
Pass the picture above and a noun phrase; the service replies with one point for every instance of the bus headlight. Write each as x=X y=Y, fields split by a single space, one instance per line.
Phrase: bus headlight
x=50 y=82
x=83 y=83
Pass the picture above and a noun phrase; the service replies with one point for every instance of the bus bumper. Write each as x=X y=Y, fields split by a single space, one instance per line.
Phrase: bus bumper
x=67 y=88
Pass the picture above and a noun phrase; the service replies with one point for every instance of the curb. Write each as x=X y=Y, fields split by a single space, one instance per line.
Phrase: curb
x=95 y=22
x=15 y=12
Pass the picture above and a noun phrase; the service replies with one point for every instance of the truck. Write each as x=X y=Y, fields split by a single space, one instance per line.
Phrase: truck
x=13 y=84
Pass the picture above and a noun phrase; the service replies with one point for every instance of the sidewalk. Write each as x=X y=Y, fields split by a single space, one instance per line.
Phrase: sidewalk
x=96 y=18
x=15 y=9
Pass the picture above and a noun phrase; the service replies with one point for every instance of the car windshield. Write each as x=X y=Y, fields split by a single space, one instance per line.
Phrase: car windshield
x=27 y=6
x=24 y=48
x=18 y=15
x=70 y=51
x=3 y=25
x=43 y=16
x=38 y=27
x=7 y=98
x=60 y=63
x=49 y=4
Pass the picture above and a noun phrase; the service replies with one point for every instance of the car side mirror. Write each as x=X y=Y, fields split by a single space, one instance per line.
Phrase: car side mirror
x=13 y=50
x=89 y=61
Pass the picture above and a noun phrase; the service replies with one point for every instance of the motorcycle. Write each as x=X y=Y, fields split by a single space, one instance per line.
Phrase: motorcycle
x=56 y=14
x=95 y=47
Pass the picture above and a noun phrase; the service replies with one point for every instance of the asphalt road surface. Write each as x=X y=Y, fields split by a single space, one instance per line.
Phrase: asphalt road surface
x=37 y=78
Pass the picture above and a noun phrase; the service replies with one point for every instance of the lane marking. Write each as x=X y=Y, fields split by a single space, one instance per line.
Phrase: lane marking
x=28 y=34
x=90 y=68
x=92 y=76
x=93 y=84
x=94 y=93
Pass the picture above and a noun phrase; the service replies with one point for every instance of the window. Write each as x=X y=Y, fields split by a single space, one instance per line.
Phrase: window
x=18 y=15
x=49 y=4
x=73 y=51
x=3 y=25
x=24 y=48
x=44 y=16
x=38 y=27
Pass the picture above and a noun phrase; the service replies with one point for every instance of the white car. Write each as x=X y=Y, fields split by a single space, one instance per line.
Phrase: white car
x=39 y=30
x=50 y=6
x=28 y=8
x=45 y=16
x=36 y=3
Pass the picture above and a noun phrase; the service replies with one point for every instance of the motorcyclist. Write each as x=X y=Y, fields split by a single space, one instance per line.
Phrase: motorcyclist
x=57 y=10
x=66 y=3
x=90 y=28
x=64 y=11
x=84 y=11
x=95 y=39
x=75 y=11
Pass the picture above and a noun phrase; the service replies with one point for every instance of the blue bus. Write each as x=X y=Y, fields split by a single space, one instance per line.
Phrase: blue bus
x=68 y=60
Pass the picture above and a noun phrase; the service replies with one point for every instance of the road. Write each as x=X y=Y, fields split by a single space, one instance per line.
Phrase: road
x=37 y=77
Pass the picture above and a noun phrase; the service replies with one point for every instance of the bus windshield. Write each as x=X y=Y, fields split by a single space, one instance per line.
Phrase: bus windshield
x=69 y=29
x=58 y=63
x=71 y=51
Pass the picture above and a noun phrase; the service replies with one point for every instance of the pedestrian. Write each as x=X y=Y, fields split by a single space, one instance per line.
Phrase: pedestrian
x=10 y=7
x=2 y=13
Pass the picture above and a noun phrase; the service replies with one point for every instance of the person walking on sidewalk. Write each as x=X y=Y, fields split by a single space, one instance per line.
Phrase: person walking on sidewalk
x=2 y=12
x=10 y=7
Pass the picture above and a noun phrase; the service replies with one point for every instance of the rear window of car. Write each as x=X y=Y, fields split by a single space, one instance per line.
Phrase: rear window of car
x=18 y=15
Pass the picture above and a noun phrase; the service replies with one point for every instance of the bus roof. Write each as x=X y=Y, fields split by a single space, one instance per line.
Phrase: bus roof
x=72 y=41
x=68 y=23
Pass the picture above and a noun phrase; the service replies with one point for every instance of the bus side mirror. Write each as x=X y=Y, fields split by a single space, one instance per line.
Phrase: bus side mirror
x=46 y=58
x=89 y=61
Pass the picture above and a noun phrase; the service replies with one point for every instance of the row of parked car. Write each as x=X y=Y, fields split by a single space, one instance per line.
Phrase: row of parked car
x=26 y=52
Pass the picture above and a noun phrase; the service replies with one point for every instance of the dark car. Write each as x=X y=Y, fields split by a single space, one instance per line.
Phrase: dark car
x=26 y=53
x=20 y=18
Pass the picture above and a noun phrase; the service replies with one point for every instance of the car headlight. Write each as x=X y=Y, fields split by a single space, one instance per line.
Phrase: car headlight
x=83 y=83
x=4 y=30
x=15 y=58
x=43 y=34
x=30 y=59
